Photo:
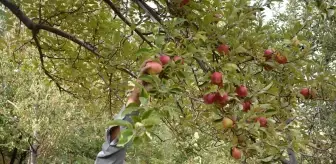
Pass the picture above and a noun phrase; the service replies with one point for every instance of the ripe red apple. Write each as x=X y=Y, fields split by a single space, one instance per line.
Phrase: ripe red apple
x=227 y=123
x=262 y=121
x=164 y=59
x=154 y=67
x=223 y=49
x=236 y=153
x=241 y=91
x=216 y=78
x=268 y=54
x=281 y=59
x=184 y=2
x=176 y=58
x=222 y=99
x=209 y=98
x=305 y=92
x=246 y=106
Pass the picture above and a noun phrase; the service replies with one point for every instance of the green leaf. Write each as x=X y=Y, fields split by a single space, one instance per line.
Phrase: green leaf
x=270 y=113
x=152 y=120
x=118 y=122
x=147 y=78
x=176 y=90
x=147 y=113
x=265 y=89
x=129 y=109
x=159 y=40
x=267 y=159
x=144 y=93
x=230 y=67
x=200 y=35
x=241 y=49
x=125 y=137
x=143 y=100
x=142 y=51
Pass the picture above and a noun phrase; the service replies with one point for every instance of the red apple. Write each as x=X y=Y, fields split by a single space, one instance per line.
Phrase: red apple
x=227 y=123
x=223 y=49
x=246 y=106
x=281 y=59
x=241 y=91
x=209 y=98
x=262 y=121
x=222 y=99
x=184 y=2
x=236 y=153
x=153 y=67
x=164 y=59
x=268 y=54
x=305 y=92
x=216 y=78
x=176 y=58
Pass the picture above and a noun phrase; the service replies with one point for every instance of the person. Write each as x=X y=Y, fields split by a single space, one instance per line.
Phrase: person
x=111 y=153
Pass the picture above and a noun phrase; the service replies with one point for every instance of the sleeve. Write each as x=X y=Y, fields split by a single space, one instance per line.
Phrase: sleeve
x=111 y=153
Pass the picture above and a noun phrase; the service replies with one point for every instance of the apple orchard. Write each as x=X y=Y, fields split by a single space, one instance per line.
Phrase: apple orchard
x=232 y=101
x=216 y=68
x=242 y=76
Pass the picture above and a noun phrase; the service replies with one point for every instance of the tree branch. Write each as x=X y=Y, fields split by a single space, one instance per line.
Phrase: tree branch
x=39 y=48
x=148 y=10
x=68 y=36
x=2 y=156
x=36 y=27
x=117 y=12
x=127 y=71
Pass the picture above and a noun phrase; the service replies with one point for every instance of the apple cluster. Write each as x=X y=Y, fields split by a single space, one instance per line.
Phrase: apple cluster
x=270 y=54
x=155 y=67
x=221 y=99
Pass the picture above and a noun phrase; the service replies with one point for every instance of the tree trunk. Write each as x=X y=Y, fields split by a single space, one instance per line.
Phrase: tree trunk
x=33 y=154
x=13 y=156
x=34 y=145
x=3 y=157
x=23 y=156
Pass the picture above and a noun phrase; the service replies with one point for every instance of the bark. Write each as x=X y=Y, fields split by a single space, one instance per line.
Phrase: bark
x=36 y=27
x=3 y=157
x=124 y=19
x=13 y=157
x=23 y=157
x=34 y=146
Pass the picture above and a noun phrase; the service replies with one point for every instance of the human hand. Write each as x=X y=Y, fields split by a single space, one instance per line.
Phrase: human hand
x=134 y=97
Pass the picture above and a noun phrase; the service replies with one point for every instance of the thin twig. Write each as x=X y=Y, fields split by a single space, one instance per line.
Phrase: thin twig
x=36 y=27
x=117 y=12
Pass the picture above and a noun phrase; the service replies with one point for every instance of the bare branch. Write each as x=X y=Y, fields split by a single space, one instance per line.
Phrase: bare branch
x=117 y=12
x=39 y=48
x=148 y=10
x=36 y=27
x=127 y=71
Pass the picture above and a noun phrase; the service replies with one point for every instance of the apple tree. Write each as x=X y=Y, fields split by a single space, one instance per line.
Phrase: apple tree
x=223 y=71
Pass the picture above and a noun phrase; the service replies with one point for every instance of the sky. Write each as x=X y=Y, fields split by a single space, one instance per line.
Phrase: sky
x=269 y=14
